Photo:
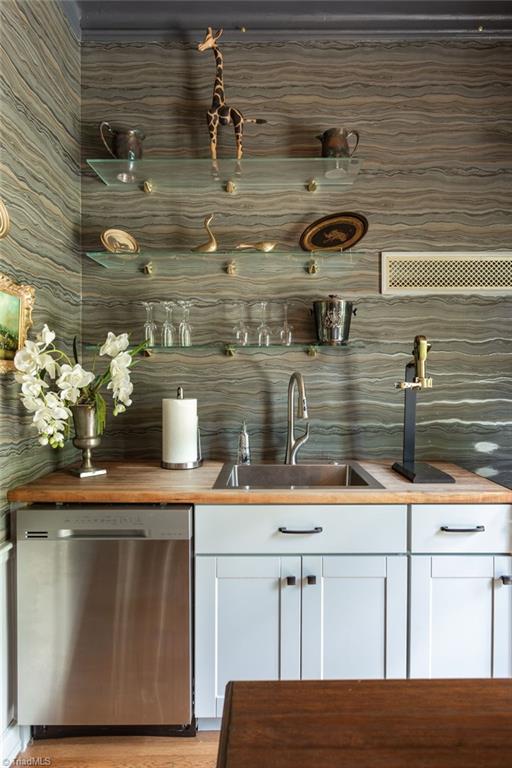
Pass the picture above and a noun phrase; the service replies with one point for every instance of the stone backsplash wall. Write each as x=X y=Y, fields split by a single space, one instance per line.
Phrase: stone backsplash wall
x=40 y=185
x=434 y=119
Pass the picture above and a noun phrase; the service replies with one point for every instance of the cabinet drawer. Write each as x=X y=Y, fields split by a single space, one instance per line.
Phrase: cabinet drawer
x=308 y=528
x=461 y=528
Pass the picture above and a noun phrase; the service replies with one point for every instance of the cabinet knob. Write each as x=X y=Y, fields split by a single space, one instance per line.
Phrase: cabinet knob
x=507 y=580
x=291 y=581
x=311 y=580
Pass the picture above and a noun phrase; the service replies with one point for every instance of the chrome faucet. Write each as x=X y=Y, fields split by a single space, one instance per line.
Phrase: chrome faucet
x=292 y=444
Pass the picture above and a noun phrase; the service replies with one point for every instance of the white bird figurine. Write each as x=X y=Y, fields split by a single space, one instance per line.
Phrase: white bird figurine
x=210 y=246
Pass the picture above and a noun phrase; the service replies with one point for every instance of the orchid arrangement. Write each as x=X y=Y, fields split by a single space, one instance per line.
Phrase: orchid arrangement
x=51 y=383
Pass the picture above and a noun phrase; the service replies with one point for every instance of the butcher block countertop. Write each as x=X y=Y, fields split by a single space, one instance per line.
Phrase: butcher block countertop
x=145 y=482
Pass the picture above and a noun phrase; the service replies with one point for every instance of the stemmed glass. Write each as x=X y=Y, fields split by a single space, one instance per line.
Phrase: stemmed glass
x=286 y=330
x=241 y=330
x=263 y=329
x=185 y=329
x=168 y=329
x=150 y=326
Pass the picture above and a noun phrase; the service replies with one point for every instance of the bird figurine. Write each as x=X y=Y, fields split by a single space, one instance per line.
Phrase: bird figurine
x=264 y=245
x=211 y=245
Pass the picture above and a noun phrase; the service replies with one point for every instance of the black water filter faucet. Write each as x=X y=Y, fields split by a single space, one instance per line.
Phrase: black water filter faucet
x=415 y=380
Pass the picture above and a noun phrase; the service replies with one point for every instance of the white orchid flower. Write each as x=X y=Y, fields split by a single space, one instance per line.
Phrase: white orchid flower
x=32 y=403
x=72 y=380
x=36 y=365
x=45 y=337
x=120 y=364
x=29 y=359
x=30 y=385
x=48 y=364
x=115 y=344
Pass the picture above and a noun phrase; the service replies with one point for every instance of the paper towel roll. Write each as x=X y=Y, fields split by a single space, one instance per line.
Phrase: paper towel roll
x=179 y=431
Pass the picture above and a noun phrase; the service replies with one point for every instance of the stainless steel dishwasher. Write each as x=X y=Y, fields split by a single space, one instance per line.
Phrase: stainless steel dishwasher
x=104 y=615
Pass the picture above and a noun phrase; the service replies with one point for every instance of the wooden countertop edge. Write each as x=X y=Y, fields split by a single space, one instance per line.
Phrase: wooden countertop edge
x=144 y=482
x=363 y=496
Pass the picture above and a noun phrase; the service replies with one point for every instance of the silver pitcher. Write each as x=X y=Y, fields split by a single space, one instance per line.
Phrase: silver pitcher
x=332 y=319
x=86 y=438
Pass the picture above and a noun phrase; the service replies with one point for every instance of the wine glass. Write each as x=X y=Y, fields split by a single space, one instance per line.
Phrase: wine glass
x=286 y=330
x=150 y=326
x=263 y=329
x=168 y=329
x=241 y=330
x=185 y=329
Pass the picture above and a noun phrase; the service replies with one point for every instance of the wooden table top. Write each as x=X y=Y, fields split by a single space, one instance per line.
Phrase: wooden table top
x=145 y=482
x=367 y=724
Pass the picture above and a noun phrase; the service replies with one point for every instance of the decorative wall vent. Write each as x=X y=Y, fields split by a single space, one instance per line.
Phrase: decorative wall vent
x=429 y=272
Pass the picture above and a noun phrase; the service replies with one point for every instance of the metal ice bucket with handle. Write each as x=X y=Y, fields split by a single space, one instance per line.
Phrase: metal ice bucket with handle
x=332 y=319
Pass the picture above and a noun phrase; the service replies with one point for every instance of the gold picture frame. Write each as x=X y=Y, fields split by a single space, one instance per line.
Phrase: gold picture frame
x=16 y=304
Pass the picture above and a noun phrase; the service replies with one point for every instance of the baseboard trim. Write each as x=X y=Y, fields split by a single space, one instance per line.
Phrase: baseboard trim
x=13 y=741
x=209 y=723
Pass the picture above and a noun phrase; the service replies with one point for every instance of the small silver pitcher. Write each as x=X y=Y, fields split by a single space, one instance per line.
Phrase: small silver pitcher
x=86 y=438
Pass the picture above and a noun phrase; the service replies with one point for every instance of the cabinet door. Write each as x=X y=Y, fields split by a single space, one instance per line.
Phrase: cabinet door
x=247 y=624
x=354 y=621
x=461 y=616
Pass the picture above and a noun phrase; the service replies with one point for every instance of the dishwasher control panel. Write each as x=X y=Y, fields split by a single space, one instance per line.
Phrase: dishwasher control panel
x=107 y=521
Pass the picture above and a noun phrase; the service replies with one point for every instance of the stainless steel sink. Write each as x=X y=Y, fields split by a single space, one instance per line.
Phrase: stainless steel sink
x=268 y=476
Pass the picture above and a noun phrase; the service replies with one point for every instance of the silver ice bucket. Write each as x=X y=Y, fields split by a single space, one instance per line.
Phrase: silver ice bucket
x=332 y=319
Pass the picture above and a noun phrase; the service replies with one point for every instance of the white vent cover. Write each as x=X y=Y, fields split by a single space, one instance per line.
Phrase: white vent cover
x=428 y=272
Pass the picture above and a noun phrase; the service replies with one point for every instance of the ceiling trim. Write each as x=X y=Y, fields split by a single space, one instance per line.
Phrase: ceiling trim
x=281 y=20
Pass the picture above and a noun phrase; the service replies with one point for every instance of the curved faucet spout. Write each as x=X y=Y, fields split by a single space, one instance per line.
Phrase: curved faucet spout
x=292 y=444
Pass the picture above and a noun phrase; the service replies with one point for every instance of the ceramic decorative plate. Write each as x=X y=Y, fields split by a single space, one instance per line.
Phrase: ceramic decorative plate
x=119 y=241
x=336 y=232
x=5 y=222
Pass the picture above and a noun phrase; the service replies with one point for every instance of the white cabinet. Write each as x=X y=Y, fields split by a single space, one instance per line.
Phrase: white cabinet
x=285 y=529
x=247 y=624
x=333 y=592
x=278 y=618
x=461 y=616
x=461 y=528
x=354 y=617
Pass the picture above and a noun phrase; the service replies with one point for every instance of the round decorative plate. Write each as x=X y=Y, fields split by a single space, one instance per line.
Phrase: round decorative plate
x=336 y=232
x=5 y=222
x=119 y=241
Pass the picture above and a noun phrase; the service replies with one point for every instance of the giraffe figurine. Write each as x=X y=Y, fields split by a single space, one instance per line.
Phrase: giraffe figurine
x=220 y=113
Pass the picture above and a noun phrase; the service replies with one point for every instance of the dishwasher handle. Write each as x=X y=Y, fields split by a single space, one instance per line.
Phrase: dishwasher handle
x=101 y=533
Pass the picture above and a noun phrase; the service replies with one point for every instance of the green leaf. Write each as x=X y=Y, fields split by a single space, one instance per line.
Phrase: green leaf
x=101 y=412
x=75 y=349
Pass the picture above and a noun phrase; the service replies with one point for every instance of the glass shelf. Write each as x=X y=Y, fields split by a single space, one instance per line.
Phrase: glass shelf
x=255 y=173
x=311 y=348
x=251 y=260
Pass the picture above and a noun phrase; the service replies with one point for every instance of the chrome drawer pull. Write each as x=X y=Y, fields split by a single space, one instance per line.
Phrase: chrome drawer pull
x=303 y=531
x=462 y=529
x=507 y=580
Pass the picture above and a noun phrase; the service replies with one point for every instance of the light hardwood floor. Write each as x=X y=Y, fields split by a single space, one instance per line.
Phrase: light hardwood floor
x=127 y=752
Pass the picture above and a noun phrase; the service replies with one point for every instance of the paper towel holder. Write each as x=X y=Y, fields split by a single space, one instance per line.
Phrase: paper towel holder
x=185 y=464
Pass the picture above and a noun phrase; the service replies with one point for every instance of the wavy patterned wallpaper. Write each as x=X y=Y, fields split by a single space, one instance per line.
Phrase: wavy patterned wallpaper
x=39 y=182
x=435 y=123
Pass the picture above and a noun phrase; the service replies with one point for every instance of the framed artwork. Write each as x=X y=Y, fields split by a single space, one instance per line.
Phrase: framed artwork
x=16 y=303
